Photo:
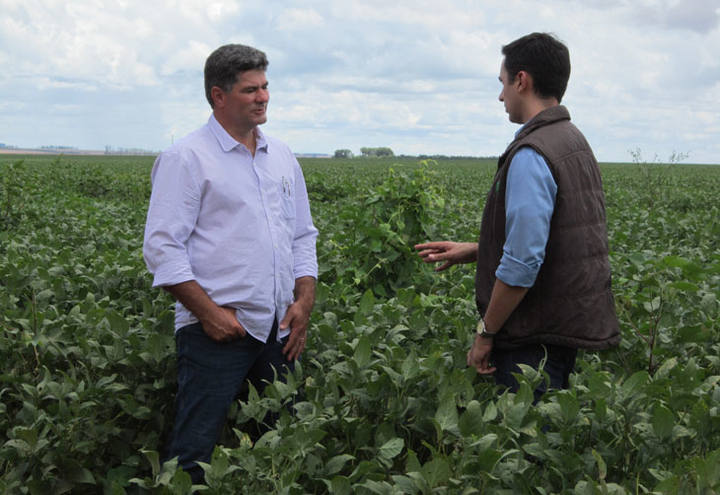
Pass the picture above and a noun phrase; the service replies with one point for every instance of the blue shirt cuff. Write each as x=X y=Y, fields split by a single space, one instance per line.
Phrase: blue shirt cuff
x=516 y=273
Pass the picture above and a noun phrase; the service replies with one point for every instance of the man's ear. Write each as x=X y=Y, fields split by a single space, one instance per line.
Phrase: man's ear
x=218 y=96
x=524 y=81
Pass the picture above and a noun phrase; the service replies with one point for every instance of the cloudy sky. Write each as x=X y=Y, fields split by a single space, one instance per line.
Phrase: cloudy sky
x=417 y=76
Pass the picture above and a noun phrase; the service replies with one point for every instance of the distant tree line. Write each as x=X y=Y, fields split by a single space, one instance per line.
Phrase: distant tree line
x=343 y=154
x=376 y=152
x=387 y=152
x=455 y=157
x=379 y=152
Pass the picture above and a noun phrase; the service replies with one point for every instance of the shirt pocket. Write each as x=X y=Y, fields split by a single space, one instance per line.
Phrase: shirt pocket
x=287 y=197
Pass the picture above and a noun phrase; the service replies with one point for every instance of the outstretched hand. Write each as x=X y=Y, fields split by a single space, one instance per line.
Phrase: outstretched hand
x=452 y=253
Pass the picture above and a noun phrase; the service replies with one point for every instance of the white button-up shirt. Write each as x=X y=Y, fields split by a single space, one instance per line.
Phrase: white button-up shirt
x=238 y=225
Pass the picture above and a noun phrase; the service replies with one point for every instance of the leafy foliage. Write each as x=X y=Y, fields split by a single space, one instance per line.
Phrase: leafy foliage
x=378 y=231
x=381 y=401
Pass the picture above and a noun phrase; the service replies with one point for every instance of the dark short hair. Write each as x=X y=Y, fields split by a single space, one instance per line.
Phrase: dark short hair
x=542 y=56
x=224 y=64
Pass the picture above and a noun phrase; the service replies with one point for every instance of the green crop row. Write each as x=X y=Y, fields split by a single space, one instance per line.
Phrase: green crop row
x=381 y=401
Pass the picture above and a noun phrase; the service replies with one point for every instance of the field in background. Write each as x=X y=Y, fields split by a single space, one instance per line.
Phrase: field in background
x=382 y=401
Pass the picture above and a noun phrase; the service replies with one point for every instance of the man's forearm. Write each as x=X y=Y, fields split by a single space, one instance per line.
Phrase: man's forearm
x=503 y=301
x=305 y=292
x=218 y=322
x=194 y=298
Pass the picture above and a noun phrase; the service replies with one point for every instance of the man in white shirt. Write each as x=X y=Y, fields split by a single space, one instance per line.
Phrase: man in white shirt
x=229 y=234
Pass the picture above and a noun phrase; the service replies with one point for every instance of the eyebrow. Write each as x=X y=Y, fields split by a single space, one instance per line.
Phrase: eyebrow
x=254 y=87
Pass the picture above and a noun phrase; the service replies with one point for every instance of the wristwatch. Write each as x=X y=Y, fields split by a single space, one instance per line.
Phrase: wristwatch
x=481 y=331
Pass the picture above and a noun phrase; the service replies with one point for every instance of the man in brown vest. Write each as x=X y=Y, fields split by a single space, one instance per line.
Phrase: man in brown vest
x=543 y=276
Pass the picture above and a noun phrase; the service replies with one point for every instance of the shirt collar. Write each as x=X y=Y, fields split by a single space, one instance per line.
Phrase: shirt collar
x=547 y=116
x=517 y=133
x=227 y=142
x=262 y=143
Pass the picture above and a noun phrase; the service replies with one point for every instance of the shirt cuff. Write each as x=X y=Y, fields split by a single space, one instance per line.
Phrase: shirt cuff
x=163 y=278
x=516 y=273
x=300 y=272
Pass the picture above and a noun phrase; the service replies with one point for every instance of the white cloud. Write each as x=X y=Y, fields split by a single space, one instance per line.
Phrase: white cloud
x=421 y=75
x=79 y=41
x=299 y=20
x=45 y=83
x=693 y=15
x=190 y=57
x=216 y=11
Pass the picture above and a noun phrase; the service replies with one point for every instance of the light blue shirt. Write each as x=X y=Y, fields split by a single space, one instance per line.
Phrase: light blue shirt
x=529 y=205
x=238 y=225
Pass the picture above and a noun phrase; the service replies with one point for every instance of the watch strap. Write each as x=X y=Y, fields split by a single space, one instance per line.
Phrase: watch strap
x=481 y=331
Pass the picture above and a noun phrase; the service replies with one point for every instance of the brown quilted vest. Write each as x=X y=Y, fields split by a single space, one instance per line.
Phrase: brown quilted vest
x=571 y=303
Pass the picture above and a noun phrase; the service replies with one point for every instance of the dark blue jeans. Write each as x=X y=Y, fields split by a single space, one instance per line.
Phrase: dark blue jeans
x=210 y=375
x=559 y=365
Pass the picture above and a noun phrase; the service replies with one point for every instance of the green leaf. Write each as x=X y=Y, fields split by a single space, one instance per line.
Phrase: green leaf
x=412 y=464
x=447 y=415
x=83 y=475
x=335 y=464
x=391 y=449
x=367 y=303
x=490 y=412
x=653 y=305
x=471 y=421
x=636 y=381
x=663 y=421
x=664 y=370
x=154 y=458
x=363 y=468
x=405 y=484
x=602 y=466
x=436 y=472
x=106 y=380
x=21 y=446
x=363 y=351
x=675 y=261
x=379 y=487
x=219 y=462
x=569 y=406
x=118 y=324
x=410 y=366
x=340 y=485
x=685 y=286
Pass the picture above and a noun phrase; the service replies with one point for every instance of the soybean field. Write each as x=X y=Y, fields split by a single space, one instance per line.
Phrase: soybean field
x=381 y=401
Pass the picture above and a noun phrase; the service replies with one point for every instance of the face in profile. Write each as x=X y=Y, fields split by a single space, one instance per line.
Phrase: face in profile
x=245 y=105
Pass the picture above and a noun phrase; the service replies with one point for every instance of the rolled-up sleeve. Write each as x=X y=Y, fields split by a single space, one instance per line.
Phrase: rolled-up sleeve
x=304 y=242
x=172 y=213
x=529 y=205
